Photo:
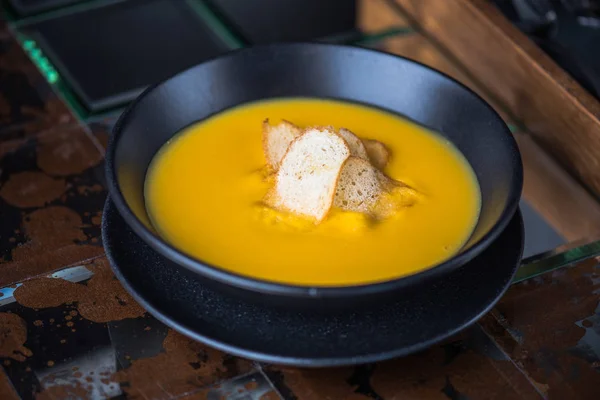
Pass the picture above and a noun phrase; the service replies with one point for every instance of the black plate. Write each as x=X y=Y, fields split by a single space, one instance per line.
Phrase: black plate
x=413 y=321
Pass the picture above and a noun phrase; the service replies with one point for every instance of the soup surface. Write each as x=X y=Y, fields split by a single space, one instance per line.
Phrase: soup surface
x=204 y=188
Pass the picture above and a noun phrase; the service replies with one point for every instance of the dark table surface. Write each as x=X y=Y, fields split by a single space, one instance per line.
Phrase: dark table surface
x=69 y=330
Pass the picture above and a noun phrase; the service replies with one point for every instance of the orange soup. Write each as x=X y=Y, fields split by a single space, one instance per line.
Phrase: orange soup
x=204 y=188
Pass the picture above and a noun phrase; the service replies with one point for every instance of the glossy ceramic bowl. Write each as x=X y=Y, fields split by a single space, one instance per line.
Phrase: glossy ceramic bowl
x=393 y=83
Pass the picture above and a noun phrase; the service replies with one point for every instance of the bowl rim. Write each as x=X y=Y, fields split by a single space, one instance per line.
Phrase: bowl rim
x=306 y=291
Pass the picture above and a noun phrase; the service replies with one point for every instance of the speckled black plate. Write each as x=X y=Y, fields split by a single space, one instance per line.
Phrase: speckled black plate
x=411 y=322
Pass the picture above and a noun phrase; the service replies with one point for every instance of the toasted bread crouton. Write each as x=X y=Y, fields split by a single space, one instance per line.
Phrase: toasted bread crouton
x=378 y=154
x=359 y=186
x=356 y=146
x=306 y=180
x=388 y=184
x=276 y=140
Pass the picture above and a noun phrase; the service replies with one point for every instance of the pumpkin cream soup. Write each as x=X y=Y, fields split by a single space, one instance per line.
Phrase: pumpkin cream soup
x=312 y=192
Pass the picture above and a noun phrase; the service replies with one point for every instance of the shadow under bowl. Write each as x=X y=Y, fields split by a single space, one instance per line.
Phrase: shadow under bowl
x=325 y=71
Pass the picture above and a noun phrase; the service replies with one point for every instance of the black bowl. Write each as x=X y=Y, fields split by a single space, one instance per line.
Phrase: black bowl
x=393 y=83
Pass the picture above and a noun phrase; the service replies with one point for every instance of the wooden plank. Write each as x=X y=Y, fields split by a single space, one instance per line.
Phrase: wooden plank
x=554 y=108
x=548 y=188
x=377 y=15
x=555 y=195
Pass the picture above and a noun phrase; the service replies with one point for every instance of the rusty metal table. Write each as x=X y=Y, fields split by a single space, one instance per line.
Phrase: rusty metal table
x=69 y=330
